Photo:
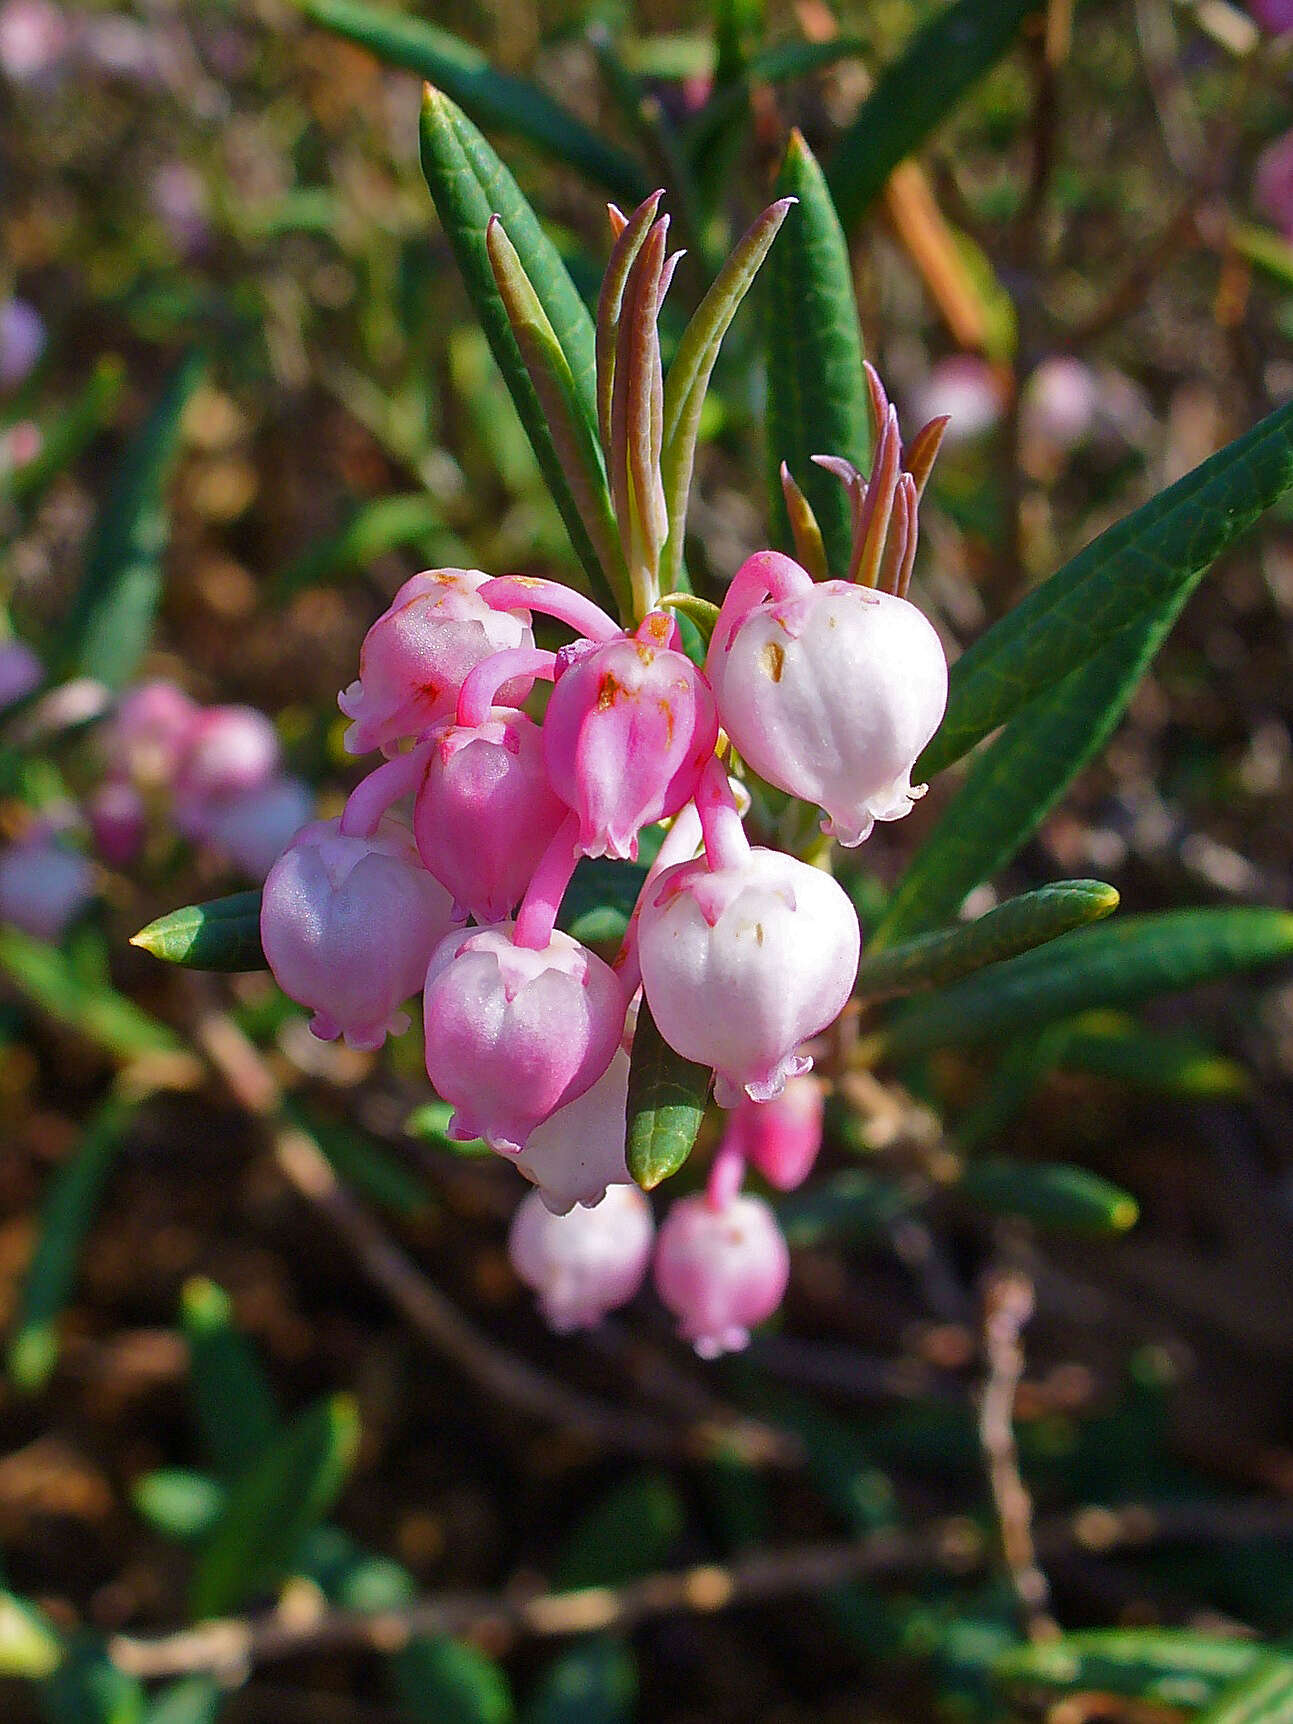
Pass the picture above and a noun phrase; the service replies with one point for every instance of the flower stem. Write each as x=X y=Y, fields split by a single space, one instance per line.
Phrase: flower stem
x=529 y=593
x=726 y=845
x=537 y=916
x=476 y=696
x=373 y=795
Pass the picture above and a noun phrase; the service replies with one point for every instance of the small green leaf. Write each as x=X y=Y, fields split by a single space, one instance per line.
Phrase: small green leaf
x=667 y=1096
x=1130 y=959
x=222 y=934
x=594 y=1683
x=450 y=1682
x=628 y=1533
x=29 y=1647
x=87 y=1688
x=67 y=1215
x=51 y=981
x=234 y=1403
x=179 y=1504
x=933 y=960
x=430 y=1124
x=916 y=93
x=111 y=619
x=1051 y=1194
x=1148 y=562
x=699 y=612
x=351 y=1577
x=367 y=1165
x=374 y=529
x=817 y=392
x=469 y=185
x=1113 y=1045
x=194 y=1700
x=492 y=98
x=1265 y=1697
x=276 y=1502
x=1161 y=1666
x=74 y=429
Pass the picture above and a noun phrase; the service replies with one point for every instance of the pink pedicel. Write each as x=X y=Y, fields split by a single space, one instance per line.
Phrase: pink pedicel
x=255 y=827
x=628 y=730
x=417 y=655
x=150 y=733
x=43 y=887
x=585 y=1263
x=118 y=821
x=231 y=749
x=744 y=962
x=782 y=1137
x=831 y=694
x=485 y=812
x=720 y=1269
x=348 y=926
x=579 y=1151
x=21 y=672
x=515 y=1032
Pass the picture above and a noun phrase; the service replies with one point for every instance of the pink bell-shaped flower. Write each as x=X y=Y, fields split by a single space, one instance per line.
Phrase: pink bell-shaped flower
x=485 y=812
x=584 y=1263
x=348 y=926
x=578 y=1152
x=231 y=749
x=628 y=730
x=150 y=733
x=417 y=654
x=740 y=964
x=782 y=1136
x=830 y=694
x=43 y=887
x=513 y=1033
x=720 y=1270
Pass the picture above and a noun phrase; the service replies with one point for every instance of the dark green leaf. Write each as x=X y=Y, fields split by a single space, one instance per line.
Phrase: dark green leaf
x=594 y=1683
x=29 y=1647
x=73 y=430
x=1161 y=1666
x=235 y=1407
x=367 y=1165
x=276 y=1502
x=628 y=1533
x=469 y=184
x=450 y=1682
x=88 y=1689
x=49 y=980
x=376 y=528
x=855 y=1206
x=917 y=92
x=111 y=620
x=1113 y=1045
x=1148 y=562
x=817 y=392
x=195 y=1700
x=179 y=1504
x=492 y=98
x=222 y=934
x=1050 y=1194
x=600 y=898
x=66 y=1216
x=667 y=1096
x=1265 y=1697
x=932 y=960
x=1130 y=959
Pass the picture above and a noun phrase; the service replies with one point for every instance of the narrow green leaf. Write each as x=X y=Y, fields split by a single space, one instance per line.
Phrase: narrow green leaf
x=1161 y=1666
x=374 y=529
x=75 y=427
x=594 y=1683
x=87 y=1688
x=234 y=1403
x=693 y=365
x=932 y=960
x=194 y=1700
x=1051 y=1194
x=469 y=185
x=430 y=1124
x=112 y=614
x=776 y=65
x=667 y=1096
x=276 y=1502
x=179 y=1504
x=631 y=1531
x=29 y=1647
x=450 y=1682
x=66 y=1216
x=1265 y=1697
x=917 y=92
x=49 y=980
x=222 y=934
x=1018 y=779
x=1113 y=1045
x=367 y=1165
x=1132 y=958
x=1025 y=1062
x=1148 y=562
x=817 y=392
x=854 y=1207
x=492 y=98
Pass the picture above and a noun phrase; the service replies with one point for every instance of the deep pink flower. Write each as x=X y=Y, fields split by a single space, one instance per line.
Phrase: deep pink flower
x=418 y=653
x=720 y=1270
x=348 y=926
x=782 y=1137
x=584 y=1263
x=118 y=821
x=514 y=1033
x=579 y=1151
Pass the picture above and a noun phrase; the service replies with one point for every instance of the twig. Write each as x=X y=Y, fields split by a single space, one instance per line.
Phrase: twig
x=230 y=1649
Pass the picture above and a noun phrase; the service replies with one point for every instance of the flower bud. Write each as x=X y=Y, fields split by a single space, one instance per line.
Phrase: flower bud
x=782 y=1137
x=578 y=1152
x=348 y=926
x=720 y=1270
x=485 y=812
x=43 y=887
x=628 y=729
x=831 y=695
x=512 y=1034
x=231 y=749
x=418 y=653
x=118 y=821
x=585 y=1263
x=150 y=733
x=742 y=964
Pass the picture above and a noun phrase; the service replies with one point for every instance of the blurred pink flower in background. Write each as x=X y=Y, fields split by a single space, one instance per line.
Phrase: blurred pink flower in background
x=970 y=391
x=33 y=36
x=1273 y=181
x=1273 y=15
x=22 y=341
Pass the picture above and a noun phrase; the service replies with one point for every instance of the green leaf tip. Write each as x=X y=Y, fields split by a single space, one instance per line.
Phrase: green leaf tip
x=222 y=934
x=666 y=1105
